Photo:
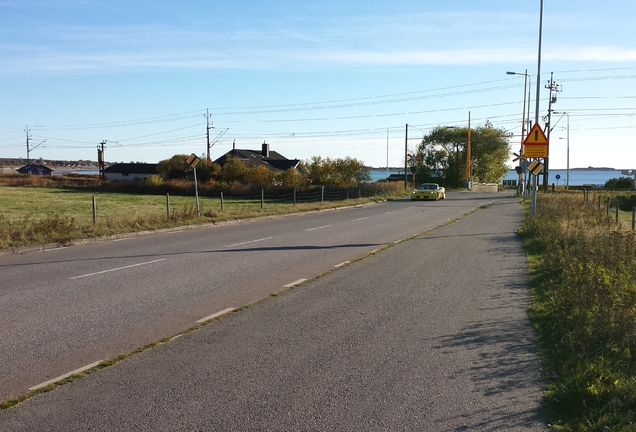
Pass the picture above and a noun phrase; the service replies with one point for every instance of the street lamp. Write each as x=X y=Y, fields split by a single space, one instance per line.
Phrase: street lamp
x=527 y=83
x=525 y=120
x=567 y=176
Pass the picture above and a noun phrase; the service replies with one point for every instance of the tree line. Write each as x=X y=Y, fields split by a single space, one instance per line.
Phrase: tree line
x=315 y=171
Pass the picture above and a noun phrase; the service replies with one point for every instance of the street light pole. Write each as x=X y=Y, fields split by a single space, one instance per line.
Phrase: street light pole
x=533 y=204
x=523 y=125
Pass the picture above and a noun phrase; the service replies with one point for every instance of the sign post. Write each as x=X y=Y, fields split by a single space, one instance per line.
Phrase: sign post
x=535 y=146
x=193 y=160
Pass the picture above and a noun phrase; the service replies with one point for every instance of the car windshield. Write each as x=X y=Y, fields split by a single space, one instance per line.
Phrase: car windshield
x=428 y=187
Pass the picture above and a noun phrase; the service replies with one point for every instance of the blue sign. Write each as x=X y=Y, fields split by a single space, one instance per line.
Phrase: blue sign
x=558 y=176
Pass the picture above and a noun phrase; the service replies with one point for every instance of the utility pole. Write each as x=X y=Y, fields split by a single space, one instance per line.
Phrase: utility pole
x=207 y=133
x=406 y=156
x=469 y=159
x=556 y=88
x=28 y=138
x=100 y=159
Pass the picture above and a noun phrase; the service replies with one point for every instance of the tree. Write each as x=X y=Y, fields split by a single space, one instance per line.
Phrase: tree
x=291 y=178
x=337 y=172
x=260 y=175
x=622 y=183
x=174 y=168
x=443 y=151
x=233 y=170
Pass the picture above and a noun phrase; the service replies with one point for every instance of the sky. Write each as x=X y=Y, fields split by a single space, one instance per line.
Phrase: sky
x=311 y=78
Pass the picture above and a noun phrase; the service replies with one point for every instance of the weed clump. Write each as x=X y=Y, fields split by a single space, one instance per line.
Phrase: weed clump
x=584 y=310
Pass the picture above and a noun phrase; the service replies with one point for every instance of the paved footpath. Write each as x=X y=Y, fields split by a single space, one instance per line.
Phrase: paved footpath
x=431 y=334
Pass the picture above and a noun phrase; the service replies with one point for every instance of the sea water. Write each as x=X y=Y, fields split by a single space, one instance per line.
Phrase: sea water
x=577 y=176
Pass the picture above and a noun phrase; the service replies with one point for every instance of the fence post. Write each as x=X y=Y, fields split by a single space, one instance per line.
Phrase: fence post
x=94 y=211
x=322 y=197
x=294 y=195
x=599 y=203
x=633 y=218
x=347 y=192
x=617 y=205
x=168 y=205
x=222 y=205
x=608 y=206
x=262 y=198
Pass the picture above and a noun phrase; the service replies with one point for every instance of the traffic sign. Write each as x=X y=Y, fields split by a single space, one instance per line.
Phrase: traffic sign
x=193 y=160
x=535 y=168
x=536 y=143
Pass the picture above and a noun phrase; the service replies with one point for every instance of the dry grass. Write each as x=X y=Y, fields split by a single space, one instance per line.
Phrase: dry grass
x=584 y=310
x=31 y=214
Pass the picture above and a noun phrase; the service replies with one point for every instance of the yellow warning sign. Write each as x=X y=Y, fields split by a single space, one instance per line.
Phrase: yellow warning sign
x=536 y=136
x=536 y=143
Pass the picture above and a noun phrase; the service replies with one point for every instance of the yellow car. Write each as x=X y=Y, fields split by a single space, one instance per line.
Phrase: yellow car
x=428 y=191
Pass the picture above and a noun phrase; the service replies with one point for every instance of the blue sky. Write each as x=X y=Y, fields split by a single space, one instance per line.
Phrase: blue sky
x=327 y=78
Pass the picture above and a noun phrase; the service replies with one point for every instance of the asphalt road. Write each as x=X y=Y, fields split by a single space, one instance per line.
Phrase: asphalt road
x=66 y=308
x=430 y=334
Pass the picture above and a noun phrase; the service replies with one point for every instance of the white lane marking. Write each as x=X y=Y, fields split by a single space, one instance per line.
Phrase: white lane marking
x=342 y=264
x=394 y=211
x=356 y=220
x=62 y=377
x=313 y=229
x=216 y=315
x=251 y=241
x=118 y=268
x=299 y=281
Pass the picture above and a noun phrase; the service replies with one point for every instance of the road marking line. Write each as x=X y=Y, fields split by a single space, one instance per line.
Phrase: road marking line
x=313 y=229
x=356 y=220
x=342 y=264
x=216 y=315
x=251 y=241
x=62 y=377
x=299 y=281
x=122 y=239
x=394 y=211
x=118 y=268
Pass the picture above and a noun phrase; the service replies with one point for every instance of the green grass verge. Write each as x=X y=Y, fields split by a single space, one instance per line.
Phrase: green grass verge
x=40 y=215
x=583 y=268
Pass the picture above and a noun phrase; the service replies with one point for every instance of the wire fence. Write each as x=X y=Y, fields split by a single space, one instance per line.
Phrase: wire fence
x=611 y=204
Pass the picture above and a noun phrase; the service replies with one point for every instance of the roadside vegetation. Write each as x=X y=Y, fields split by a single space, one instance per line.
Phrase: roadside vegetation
x=584 y=311
x=57 y=209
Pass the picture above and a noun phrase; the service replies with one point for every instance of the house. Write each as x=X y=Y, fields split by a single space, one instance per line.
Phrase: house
x=271 y=159
x=129 y=171
x=35 y=169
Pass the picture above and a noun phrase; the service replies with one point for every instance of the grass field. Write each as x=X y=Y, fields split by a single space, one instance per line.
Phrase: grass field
x=36 y=215
x=583 y=267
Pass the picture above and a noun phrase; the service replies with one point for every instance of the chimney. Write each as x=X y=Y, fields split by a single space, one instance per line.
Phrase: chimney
x=265 y=151
x=234 y=145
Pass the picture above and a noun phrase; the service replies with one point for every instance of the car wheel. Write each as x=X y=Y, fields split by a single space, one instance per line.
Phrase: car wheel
x=436 y=197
